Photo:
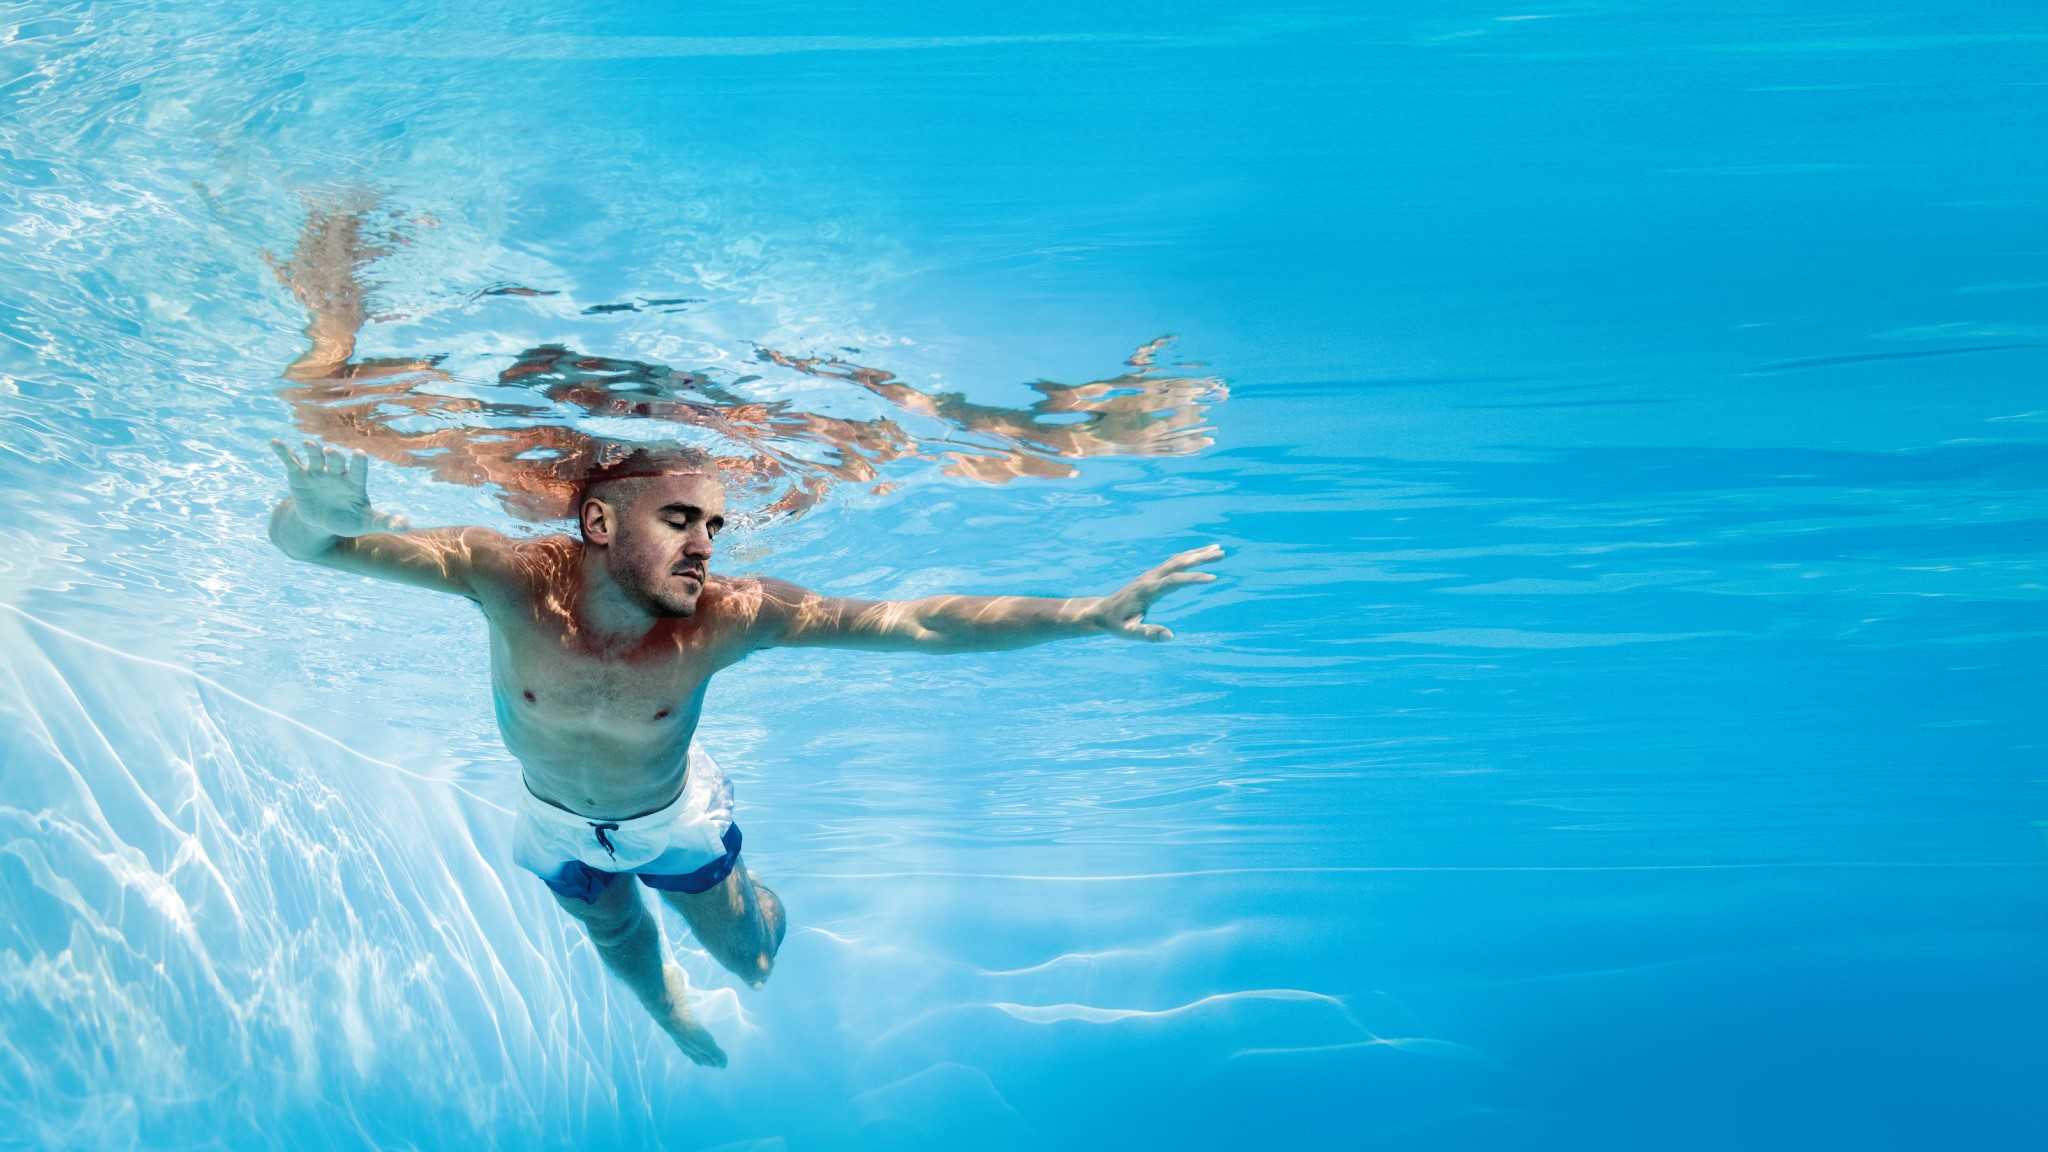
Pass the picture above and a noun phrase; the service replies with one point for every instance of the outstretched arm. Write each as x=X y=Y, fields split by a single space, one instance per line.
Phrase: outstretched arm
x=792 y=616
x=328 y=520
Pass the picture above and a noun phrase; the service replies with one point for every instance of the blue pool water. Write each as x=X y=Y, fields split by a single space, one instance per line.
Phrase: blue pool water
x=1617 y=725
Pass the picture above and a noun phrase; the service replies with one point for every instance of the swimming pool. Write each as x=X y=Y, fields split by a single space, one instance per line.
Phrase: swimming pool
x=1617 y=724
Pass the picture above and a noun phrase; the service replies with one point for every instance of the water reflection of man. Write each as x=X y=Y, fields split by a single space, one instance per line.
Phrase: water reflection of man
x=601 y=649
x=512 y=437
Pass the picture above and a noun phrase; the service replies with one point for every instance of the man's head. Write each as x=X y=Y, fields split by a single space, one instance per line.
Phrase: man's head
x=652 y=515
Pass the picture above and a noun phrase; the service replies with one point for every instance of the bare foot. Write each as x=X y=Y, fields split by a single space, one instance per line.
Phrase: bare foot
x=689 y=1035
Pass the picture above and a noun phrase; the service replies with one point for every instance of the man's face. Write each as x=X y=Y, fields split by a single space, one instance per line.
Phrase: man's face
x=657 y=533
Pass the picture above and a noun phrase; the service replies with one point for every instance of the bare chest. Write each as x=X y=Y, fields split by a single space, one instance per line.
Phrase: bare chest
x=544 y=675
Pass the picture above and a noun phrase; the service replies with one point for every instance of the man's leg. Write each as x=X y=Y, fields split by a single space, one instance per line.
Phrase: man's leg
x=629 y=942
x=739 y=921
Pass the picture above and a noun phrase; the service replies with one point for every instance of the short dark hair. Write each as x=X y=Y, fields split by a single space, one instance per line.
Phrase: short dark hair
x=616 y=462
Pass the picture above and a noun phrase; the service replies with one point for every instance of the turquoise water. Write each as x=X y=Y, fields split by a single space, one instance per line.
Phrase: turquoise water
x=1617 y=724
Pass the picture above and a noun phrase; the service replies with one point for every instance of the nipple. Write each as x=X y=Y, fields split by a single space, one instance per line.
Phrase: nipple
x=529 y=695
x=661 y=715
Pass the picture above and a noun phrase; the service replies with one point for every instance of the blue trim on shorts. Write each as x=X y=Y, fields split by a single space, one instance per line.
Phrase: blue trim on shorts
x=706 y=878
x=579 y=881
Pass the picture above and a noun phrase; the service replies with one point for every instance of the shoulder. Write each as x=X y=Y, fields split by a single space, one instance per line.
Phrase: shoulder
x=554 y=549
x=759 y=606
x=487 y=549
x=517 y=564
x=748 y=597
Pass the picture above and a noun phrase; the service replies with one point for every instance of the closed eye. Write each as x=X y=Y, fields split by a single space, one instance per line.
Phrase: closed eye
x=681 y=516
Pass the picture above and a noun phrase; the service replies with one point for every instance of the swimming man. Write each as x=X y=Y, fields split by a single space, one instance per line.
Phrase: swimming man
x=601 y=649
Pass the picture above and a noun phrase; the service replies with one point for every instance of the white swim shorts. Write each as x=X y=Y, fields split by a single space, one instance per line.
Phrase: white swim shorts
x=689 y=846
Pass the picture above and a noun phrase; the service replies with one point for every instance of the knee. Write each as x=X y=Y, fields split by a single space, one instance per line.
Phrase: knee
x=757 y=961
x=770 y=923
x=611 y=935
x=615 y=930
x=749 y=956
x=755 y=968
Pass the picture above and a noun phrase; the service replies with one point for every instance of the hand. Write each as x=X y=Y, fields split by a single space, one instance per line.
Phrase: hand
x=1124 y=612
x=330 y=492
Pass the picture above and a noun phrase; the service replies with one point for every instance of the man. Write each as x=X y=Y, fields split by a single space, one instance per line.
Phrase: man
x=601 y=650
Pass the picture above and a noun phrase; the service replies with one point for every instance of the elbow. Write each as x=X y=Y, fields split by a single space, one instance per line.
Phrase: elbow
x=939 y=642
x=922 y=637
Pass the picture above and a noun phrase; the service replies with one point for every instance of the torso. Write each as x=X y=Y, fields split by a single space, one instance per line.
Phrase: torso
x=603 y=731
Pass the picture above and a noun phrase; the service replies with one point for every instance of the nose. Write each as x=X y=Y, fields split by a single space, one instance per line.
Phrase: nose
x=697 y=543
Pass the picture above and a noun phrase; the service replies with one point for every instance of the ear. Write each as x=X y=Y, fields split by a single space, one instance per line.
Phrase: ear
x=597 y=521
